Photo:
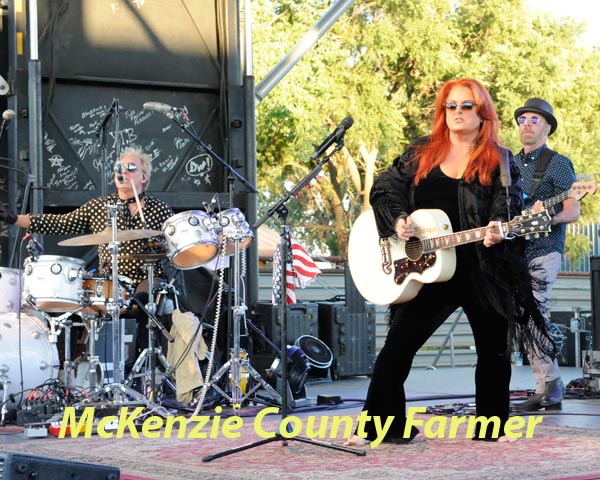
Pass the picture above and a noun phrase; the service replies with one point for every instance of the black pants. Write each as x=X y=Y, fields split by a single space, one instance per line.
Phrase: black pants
x=413 y=323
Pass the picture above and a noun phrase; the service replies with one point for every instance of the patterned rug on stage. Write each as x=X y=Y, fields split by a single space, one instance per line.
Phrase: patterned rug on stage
x=554 y=453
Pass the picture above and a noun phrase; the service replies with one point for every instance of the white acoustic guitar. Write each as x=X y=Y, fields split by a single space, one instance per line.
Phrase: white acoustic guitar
x=389 y=270
x=577 y=191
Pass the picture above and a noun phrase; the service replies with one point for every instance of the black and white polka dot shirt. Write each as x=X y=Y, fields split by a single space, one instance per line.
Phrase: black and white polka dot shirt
x=92 y=217
x=558 y=177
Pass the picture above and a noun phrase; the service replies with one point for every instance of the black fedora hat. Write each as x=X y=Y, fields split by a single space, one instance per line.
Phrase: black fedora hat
x=540 y=106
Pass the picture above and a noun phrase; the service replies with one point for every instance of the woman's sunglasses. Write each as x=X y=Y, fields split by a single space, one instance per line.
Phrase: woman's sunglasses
x=468 y=105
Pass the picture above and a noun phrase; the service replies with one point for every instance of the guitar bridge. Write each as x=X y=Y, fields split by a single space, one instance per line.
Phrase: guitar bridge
x=405 y=266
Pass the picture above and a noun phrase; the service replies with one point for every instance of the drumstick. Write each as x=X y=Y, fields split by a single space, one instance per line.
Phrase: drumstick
x=137 y=201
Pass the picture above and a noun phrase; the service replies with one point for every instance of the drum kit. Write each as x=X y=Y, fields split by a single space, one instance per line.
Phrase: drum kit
x=50 y=289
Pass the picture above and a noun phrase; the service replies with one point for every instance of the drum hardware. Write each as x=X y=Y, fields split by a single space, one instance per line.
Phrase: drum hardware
x=118 y=391
x=147 y=358
x=90 y=362
x=105 y=237
x=239 y=368
x=239 y=309
x=281 y=210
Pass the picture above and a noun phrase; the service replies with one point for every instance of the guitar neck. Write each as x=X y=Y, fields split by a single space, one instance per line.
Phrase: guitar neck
x=550 y=202
x=454 y=239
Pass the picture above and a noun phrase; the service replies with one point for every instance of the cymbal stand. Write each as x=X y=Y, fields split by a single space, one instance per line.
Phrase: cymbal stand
x=120 y=392
x=236 y=365
x=148 y=357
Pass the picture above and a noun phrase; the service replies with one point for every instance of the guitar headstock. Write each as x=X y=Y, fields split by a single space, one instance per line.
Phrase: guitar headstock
x=530 y=225
x=581 y=188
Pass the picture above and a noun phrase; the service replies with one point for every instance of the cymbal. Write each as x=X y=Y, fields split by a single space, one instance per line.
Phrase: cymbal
x=105 y=236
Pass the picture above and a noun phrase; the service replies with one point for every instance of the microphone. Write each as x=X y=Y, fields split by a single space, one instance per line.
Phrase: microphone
x=119 y=171
x=168 y=110
x=8 y=114
x=335 y=137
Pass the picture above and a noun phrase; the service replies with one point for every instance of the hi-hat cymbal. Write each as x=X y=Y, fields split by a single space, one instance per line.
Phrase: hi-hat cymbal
x=105 y=236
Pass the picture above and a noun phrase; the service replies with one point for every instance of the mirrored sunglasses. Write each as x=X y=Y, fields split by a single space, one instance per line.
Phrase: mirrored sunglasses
x=468 y=105
x=130 y=167
x=534 y=120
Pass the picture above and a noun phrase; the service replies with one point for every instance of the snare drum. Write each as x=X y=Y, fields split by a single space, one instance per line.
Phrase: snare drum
x=98 y=293
x=10 y=289
x=191 y=239
x=233 y=225
x=53 y=283
x=36 y=358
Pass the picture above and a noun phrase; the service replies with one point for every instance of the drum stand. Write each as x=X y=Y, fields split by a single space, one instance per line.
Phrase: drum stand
x=236 y=364
x=148 y=357
x=93 y=359
x=118 y=390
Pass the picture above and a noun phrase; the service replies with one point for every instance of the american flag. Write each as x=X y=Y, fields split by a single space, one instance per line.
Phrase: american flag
x=301 y=271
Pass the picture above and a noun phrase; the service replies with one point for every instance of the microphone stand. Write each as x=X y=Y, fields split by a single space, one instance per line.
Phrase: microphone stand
x=282 y=212
x=101 y=133
x=188 y=128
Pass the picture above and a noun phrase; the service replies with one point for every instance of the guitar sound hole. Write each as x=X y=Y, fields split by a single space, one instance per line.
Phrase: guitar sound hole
x=413 y=249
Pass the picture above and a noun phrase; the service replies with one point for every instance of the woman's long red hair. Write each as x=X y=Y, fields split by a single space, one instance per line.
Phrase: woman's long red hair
x=485 y=157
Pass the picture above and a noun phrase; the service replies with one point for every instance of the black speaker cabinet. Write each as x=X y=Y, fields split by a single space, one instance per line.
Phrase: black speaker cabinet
x=16 y=466
x=350 y=336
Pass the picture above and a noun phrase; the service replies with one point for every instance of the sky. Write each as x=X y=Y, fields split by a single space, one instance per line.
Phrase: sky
x=580 y=10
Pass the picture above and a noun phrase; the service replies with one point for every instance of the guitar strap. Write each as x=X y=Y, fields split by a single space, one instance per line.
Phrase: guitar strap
x=540 y=167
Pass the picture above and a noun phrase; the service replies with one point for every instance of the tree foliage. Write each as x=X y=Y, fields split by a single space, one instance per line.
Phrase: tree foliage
x=382 y=63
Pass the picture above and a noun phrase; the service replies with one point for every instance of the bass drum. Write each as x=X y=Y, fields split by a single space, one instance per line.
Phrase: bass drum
x=10 y=290
x=29 y=362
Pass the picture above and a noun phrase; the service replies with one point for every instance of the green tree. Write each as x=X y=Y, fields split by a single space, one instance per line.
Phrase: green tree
x=382 y=63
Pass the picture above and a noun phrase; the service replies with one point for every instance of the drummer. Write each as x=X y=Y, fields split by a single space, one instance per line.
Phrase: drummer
x=131 y=177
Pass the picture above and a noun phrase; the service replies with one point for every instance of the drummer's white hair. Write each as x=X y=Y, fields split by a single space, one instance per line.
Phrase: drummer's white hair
x=137 y=152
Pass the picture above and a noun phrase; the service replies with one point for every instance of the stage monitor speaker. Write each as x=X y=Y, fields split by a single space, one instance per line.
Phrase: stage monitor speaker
x=16 y=466
x=595 y=290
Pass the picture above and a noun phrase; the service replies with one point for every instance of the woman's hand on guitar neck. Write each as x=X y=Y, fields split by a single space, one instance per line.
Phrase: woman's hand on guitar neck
x=493 y=235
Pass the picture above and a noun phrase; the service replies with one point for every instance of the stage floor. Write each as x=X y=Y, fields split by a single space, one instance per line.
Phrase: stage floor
x=553 y=453
x=444 y=387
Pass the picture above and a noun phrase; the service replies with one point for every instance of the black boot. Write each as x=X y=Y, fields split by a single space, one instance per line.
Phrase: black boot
x=553 y=393
x=531 y=404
